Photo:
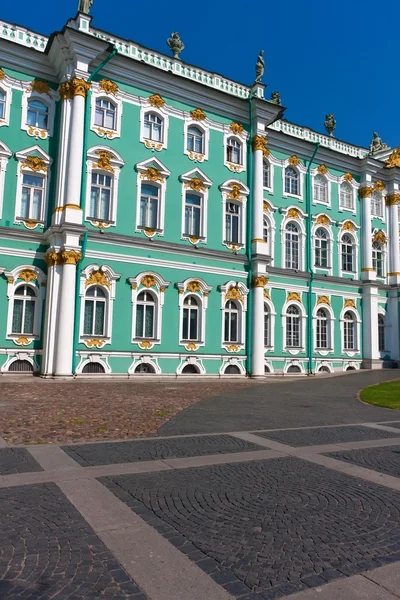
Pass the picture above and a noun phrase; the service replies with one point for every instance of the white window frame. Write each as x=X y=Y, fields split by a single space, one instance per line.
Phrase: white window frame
x=158 y=291
x=381 y=198
x=357 y=331
x=240 y=295
x=163 y=115
x=301 y=170
x=303 y=319
x=315 y=174
x=269 y=188
x=116 y=162
x=109 y=289
x=6 y=88
x=187 y=187
x=197 y=156
x=194 y=286
x=37 y=282
x=330 y=329
x=23 y=168
x=354 y=235
x=272 y=314
x=5 y=154
x=241 y=139
x=387 y=332
x=384 y=259
x=226 y=189
x=49 y=99
x=328 y=230
x=268 y=215
x=164 y=173
x=302 y=237
x=99 y=94
x=354 y=186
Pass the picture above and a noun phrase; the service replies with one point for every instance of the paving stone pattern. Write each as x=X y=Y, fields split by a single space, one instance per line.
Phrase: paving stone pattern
x=48 y=550
x=17 y=460
x=326 y=435
x=265 y=529
x=125 y=452
x=385 y=460
x=396 y=424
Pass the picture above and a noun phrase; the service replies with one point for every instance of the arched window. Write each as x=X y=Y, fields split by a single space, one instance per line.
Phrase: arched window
x=294 y=369
x=20 y=366
x=145 y=368
x=195 y=139
x=349 y=331
x=24 y=310
x=377 y=259
x=2 y=105
x=267 y=369
x=232 y=370
x=100 y=196
x=145 y=315
x=267 y=326
x=321 y=248
x=292 y=246
x=266 y=174
x=323 y=369
x=105 y=113
x=265 y=229
x=231 y=322
x=376 y=204
x=291 y=181
x=190 y=370
x=93 y=368
x=293 y=330
x=320 y=189
x=37 y=114
x=153 y=127
x=381 y=333
x=191 y=319
x=346 y=195
x=149 y=206
x=233 y=222
x=347 y=251
x=32 y=196
x=95 y=311
x=193 y=214
x=234 y=151
x=322 y=332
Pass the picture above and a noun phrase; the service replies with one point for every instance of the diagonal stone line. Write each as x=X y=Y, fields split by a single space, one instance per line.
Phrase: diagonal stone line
x=356 y=587
x=381 y=426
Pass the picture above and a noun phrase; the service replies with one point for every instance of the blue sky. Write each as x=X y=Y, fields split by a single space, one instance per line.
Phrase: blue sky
x=338 y=57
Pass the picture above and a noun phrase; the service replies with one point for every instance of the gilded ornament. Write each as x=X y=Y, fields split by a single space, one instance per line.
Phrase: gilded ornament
x=71 y=257
x=104 y=161
x=10 y=280
x=153 y=145
x=148 y=281
x=27 y=275
x=196 y=184
x=97 y=277
x=232 y=348
x=36 y=132
x=95 y=343
x=294 y=160
x=52 y=258
x=260 y=142
x=265 y=206
x=99 y=224
x=193 y=286
x=379 y=238
x=79 y=87
x=191 y=347
x=196 y=156
x=349 y=303
x=392 y=199
x=2 y=74
x=149 y=231
x=293 y=213
x=134 y=286
x=379 y=186
x=198 y=115
x=30 y=223
x=322 y=220
x=234 y=294
x=65 y=91
x=348 y=177
x=152 y=174
x=157 y=101
x=260 y=281
x=233 y=247
x=22 y=341
x=236 y=128
x=293 y=296
x=40 y=87
x=193 y=239
x=267 y=295
x=322 y=169
x=236 y=192
x=393 y=160
x=366 y=191
x=163 y=289
x=109 y=87
x=34 y=163
x=323 y=300
x=348 y=226
x=145 y=345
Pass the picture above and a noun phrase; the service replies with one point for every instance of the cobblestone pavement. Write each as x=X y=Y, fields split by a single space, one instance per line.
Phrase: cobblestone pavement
x=384 y=460
x=125 y=452
x=279 y=526
x=47 y=550
x=17 y=460
x=326 y=435
x=395 y=424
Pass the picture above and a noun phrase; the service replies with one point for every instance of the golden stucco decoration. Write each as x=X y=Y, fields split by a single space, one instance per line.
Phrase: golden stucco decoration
x=65 y=91
x=149 y=232
x=2 y=74
x=348 y=177
x=322 y=220
x=198 y=115
x=10 y=280
x=348 y=226
x=152 y=174
x=259 y=281
x=236 y=128
x=379 y=186
x=104 y=161
x=293 y=213
x=393 y=160
x=392 y=199
x=267 y=295
x=71 y=257
x=40 y=87
x=323 y=300
x=236 y=192
x=148 y=281
x=193 y=239
x=97 y=277
x=232 y=348
x=37 y=132
x=265 y=206
x=79 y=87
x=107 y=133
x=95 y=343
x=234 y=294
x=108 y=86
x=322 y=169
x=349 y=303
x=145 y=345
x=379 y=238
x=196 y=184
x=52 y=258
x=191 y=347
x=34 y=163
x=157 y=101
x=260 y=142
x=294 y=160
x=293 y=296
x=366 y=191
x=22 y=341
x=27 y=275
x=193 y=286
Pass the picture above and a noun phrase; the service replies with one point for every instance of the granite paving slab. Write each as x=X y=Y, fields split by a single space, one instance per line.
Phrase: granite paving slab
x=17 y=460
x=326 y=435
x=385 y=460
x=47 y=550
x=124 y=452
x=395 y=424
x=266 y=529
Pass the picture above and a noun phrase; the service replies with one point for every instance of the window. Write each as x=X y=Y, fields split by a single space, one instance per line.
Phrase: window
x=266 y=174
x=234 y=151
x=265 y=229
x=95 y=312
x=293 y=327
x=233 y=215
x=267 y=326
x=21 y=366
x=347 y=250
x=349 y=332
x=232 y=370
x=377 y=259
x=149 y=206
x=231 y=322
x=381 y=333
x=376 y=205
x=294 y=369
x=322 y=340
x=291 y=181
x=145 y=315
x=190 y=370
x=24 y=310
x=153 y=127
x=105 y=114
x=320 y=189
x=346 y=195
x=100 y=196
x=321 y=248
x=195 y=140
x=291 y=246
x=193 y=215
x=145 y=368
x=32 y=197
x=94 y=368
x=191 y=319
x=2 y=105
x=37 y=114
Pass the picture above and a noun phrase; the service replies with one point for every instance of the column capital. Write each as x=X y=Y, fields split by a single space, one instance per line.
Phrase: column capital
x=52 y=258
x=79 y=87
x=259 y=281
x=259 y=142
x=366 y=191
x=392 y=199
x=65 y=91
x=71 y=257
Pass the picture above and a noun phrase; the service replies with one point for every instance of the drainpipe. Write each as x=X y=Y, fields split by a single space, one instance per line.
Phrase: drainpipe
x=82 y=199
x=309 y=263
x=249 y=319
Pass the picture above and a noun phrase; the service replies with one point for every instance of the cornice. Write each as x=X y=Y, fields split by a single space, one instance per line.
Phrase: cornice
x=26 y=60
x=22 y=235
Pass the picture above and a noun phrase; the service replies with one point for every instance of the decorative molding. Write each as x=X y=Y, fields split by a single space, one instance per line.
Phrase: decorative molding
x=379 y=238
x=193 y=286
x=260 y=142
x=148 y=281
x=294 y=160
x=348 y=226
x=145 y=345
x=348 y=177
x=65 y=91
x=79 y=87
x=104 y=161
x=236 y=128
x=71 y=257
x=97 y=277
x=379 y=186
x=323 y=300
x=259 y=281
x=393 y=160
x=196 y=184
x=366 y=191
x=265 y=206
x=234 y=294
x=108 y=86
x=322 y=220
x=53 y=258
x=39 y=86
x=94 y=343
x=349 y=303
x=232 y=348
x=293 y=296
x=191 y=347
x=27 y=275
x=152 y=174
x=392 y=199
x=267 y=295
x=2 y=74
x=156 y=100
x=236 y=192
x=198 y=114
x=322 y=169
x=22 y=341
x=293 y=213
x=34 y=163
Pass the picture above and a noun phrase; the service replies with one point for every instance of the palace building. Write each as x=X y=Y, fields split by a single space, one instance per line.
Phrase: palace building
x=159 y=218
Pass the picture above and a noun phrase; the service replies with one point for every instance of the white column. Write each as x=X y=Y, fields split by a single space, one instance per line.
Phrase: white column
x=392 y=330
x=65 y=329
x=367 y=271
x=258 y=192
x=54 y=270
x=369 y=324
x=394 y=248
x=63 y=148
x=257 y=345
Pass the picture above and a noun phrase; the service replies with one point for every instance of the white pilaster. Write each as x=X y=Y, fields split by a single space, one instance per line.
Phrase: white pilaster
x=371 y=359
x=258 y=246
x=367 y=271
x=54 y=270
x=63 y=150
x=393 y=309
x=257 y=345
x=394 y=248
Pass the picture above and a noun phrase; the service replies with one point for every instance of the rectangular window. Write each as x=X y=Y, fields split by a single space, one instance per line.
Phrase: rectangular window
x=349 y=335
x=231 y=327
x=193 y=215
x=321 y=254
x=232 y=222
x=32 y=197
x=100 y=196
x=376 y=206
x=293 y=332
x=2 y=105
x=144 y=321
x=149 y=206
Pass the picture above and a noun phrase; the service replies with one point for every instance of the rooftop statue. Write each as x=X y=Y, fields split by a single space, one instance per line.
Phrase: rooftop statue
x=330 y=124
x=275 y=98
x=260 y=67
x=175 y=43
x=84 y=6
x=376 y=144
